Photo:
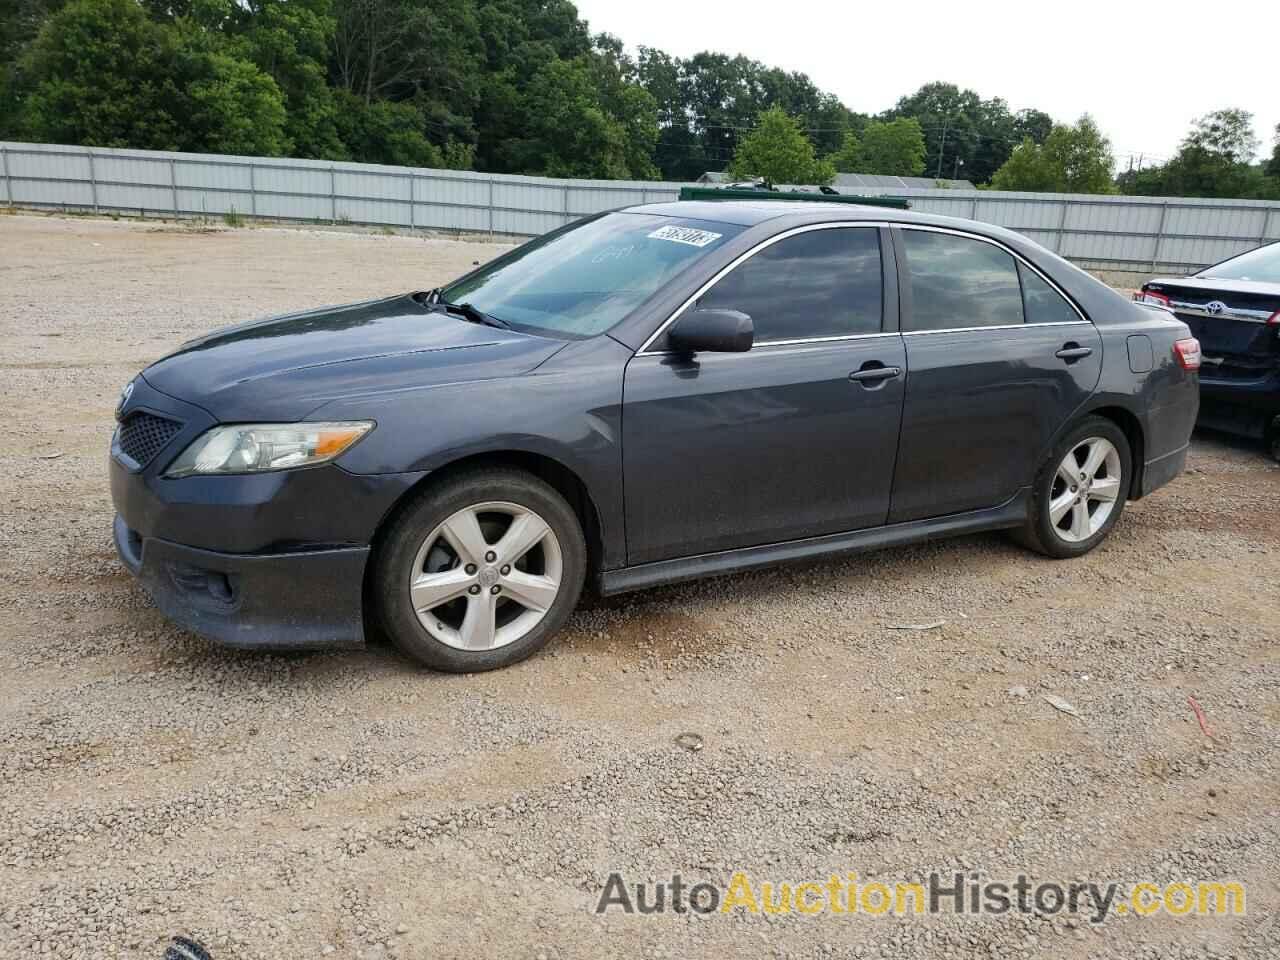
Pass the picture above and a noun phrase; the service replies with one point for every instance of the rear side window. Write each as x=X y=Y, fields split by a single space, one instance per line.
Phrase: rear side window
x=820 y=283
x=960 y=282
x=1043 y=303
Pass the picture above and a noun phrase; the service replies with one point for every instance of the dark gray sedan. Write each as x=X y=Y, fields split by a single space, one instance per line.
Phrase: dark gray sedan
x=649 y=395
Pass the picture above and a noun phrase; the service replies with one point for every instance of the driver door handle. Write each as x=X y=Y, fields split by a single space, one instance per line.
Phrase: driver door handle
x=875 y=373
x=1073 y=353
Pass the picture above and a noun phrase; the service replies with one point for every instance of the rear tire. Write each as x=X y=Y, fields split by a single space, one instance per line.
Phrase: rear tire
x=479 y=572
x=1080 y=491
x=1273 y=439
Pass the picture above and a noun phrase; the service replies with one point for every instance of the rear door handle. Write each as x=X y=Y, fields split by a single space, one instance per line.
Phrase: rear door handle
x=870 y=374
x=1073 y=353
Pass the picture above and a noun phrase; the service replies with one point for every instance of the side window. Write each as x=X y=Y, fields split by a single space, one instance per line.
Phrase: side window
x=820 y=283
x=1044 y=304
x=960 y=282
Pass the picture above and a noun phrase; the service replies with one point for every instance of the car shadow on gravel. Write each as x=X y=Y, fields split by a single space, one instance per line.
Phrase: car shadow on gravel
x=1218 y=442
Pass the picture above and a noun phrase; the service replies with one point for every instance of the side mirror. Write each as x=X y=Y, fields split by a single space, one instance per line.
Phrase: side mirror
x=714 y=331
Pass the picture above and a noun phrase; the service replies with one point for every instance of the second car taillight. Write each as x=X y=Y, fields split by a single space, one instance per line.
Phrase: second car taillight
x=1150 y=296
x=1188 y=353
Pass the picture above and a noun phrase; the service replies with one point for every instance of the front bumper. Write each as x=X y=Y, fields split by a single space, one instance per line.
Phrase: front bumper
x=281 y=601
x=270 y=560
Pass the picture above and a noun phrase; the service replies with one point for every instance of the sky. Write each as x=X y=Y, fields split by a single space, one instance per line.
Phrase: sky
x=1111 y=60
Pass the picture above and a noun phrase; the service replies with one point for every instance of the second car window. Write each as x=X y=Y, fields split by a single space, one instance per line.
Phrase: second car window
x=820 y=283
x=960 y=282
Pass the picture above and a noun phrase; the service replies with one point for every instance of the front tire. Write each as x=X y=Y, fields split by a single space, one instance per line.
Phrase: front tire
x=480 y=572
x=1080 y=490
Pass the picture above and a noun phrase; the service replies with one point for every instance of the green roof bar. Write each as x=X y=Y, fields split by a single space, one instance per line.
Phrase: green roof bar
x=720 y=193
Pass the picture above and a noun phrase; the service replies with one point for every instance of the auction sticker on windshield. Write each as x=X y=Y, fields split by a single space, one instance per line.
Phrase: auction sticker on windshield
x=690 y=235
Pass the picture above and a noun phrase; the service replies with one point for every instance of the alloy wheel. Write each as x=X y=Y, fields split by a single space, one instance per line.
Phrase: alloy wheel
x=1085 y=489
x=486 y=576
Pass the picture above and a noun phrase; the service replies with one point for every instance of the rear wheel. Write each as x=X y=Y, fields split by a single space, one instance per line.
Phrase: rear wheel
x=1273 y=439
x=1080 y=490
x=480 y=572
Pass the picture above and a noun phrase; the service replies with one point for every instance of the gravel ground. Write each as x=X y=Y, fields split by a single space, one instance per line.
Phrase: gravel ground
x=349 y=805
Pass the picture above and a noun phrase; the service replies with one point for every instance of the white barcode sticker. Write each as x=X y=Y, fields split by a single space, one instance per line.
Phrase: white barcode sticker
x=689 y=235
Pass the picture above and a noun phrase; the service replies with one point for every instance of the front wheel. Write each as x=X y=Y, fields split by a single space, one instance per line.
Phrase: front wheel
x=1080 y=490
x=480 y=572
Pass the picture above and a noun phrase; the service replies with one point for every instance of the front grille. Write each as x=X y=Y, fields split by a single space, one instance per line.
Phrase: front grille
x=143 y=435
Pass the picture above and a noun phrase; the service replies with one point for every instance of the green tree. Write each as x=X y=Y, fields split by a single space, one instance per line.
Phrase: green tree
x=1027 y=169
x=385 y=132
x=1072 y=159
x=1225 y=133
x=892 y=147
x=1033 y=124
x=1273 y=166
x=966 y=135
x=778 y=150
x=101 y=74
x=1214 y=160
x=230 y=106
x=848 y=159
x=95 y=75
x=1083 y=156
x=951 y=119
x=290 y=41
x=575 y=131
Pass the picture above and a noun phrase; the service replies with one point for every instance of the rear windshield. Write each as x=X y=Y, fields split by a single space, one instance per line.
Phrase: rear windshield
x=1262 y=264
x=584 y=280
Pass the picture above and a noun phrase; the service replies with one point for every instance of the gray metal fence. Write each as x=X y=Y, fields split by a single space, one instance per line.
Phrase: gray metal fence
x=1101 y=233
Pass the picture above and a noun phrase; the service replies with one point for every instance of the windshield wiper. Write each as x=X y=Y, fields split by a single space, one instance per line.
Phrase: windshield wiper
x=466 y=311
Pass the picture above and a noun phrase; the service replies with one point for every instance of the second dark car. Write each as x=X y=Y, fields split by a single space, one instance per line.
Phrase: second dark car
x=1233 y=309
x=649 y=395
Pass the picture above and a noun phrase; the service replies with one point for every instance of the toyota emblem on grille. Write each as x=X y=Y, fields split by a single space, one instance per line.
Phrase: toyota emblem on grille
x=1215 y=307
x=125 y=394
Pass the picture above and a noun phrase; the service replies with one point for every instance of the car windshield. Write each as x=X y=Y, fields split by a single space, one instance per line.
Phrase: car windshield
x=582 y=281
x=1262 y=264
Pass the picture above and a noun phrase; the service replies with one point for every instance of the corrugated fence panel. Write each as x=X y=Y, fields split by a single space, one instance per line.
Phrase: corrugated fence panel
x=1136 y=233
x=1214 y=222
x=132 y=198
x=1107 y=247
x=301 y=181
x=214 y=202
x=1113 y=218
x=1020 y=214
x=283 y=207
x=447 y=217
x=1199 y=251
x=373 y=211
x=371 y=185
x=133 y=170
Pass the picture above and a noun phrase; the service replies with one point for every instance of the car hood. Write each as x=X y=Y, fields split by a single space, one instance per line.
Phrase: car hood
x=286 y=367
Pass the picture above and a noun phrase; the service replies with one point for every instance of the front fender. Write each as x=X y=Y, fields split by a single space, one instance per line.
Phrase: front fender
x=569 y=410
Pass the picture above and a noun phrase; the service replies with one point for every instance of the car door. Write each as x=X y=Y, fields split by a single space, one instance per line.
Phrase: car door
x=793 y=438
x=998 y=361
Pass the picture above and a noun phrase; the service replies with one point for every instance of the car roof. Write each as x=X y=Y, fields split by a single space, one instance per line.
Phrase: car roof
x=749 y=213
x=1098 y=301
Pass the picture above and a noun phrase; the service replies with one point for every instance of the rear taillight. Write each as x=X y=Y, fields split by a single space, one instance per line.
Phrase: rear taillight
x=1188 y=353
x=1274 y=319
x=1150 y=296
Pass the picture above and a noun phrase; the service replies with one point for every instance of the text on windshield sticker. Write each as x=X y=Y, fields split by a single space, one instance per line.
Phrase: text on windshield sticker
x=689 y=235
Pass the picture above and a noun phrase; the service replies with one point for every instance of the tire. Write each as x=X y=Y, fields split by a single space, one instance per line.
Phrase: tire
x=498 y=587
x=1063 y=535
x=1273 y=439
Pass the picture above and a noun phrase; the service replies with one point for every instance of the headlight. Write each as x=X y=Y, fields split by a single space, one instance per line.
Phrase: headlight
x=258 y=447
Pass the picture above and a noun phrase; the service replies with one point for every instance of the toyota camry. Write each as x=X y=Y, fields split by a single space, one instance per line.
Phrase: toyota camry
x=648 y=395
